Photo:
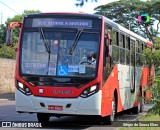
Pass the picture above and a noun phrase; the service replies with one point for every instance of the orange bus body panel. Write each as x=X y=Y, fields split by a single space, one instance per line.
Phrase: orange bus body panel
x=145 y=76
x=108 y=93
x=147 y=80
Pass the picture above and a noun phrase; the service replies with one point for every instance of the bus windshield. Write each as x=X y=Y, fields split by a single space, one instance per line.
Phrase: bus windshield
x=48 y=53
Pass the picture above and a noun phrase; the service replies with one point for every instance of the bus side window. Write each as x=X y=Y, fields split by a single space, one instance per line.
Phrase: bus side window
x=107 y=68
x=105 y=51
x=127 y=50
x=106 y=63
x=140 y=46
x=115 y=47
x=132 y=45
x=137 y=46
x=122 y=48
x=141 y=51
x=115 y=37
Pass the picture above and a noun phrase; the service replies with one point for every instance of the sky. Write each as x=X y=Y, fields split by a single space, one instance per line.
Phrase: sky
x=14 y=7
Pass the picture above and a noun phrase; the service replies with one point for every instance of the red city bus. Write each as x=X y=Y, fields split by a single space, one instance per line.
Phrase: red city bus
x=78 y=64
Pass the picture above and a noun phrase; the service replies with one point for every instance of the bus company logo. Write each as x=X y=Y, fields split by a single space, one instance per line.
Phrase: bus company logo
x=6 y=124
x=62 y=91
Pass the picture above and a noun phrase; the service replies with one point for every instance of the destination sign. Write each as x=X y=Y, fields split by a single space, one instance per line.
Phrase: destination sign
x=61 y=22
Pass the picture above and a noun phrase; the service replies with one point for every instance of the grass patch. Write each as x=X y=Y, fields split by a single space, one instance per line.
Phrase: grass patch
x=150 y=117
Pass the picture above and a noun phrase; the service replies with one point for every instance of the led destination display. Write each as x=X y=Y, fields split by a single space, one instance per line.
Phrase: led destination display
x=61 y=22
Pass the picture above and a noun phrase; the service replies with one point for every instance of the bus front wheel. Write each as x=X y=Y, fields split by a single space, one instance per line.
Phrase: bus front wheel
x=110 y=119
x=43 y=117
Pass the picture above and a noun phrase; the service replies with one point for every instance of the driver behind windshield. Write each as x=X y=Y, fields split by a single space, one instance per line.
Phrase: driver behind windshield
x=91 y=57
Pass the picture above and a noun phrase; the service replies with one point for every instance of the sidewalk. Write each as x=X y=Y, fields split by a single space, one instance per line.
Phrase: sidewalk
x=7 y=96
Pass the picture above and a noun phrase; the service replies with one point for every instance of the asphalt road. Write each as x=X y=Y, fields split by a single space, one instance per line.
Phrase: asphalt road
x=8 y=113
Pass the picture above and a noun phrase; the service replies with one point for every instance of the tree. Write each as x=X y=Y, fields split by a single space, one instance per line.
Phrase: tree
x=157 y=43
x=126 y=12
x=7 y=51
x=2 y=33
x=153 y=57
x=16 y=18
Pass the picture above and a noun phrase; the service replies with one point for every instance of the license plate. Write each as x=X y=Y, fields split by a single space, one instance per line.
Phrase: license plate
x=56 y=108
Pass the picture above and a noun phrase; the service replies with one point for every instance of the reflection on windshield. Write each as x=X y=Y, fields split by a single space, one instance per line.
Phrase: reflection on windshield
x=82 y=62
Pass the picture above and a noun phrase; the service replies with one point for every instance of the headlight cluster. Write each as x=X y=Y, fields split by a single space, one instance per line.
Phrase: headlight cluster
x=90 y=91
x=23 y=88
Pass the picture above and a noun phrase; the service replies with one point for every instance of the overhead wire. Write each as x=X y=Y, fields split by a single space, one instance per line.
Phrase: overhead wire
x=9 y=7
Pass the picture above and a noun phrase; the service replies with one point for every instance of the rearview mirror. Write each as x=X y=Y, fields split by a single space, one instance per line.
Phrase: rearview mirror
x=9 y=35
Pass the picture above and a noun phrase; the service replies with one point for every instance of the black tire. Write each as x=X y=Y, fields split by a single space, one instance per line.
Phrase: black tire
x=43 y=117
x=110 y=119
x=135 y=110
x=140 y=107
x=128 y=111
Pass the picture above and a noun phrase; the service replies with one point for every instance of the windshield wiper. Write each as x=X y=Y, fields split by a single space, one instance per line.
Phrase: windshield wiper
x=75 y=41
x=45 y=41
x=47 y=46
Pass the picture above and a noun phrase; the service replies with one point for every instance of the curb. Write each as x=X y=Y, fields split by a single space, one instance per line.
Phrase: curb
x=7 y=96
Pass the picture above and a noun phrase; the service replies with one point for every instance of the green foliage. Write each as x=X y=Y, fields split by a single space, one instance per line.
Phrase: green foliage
x=157 y=43
x=155 y=96
x=16 y=18
x=2 y=33
x=7 y=51
x=151 y=57
x=147 y=56
x=126 y=12
x=30 y=12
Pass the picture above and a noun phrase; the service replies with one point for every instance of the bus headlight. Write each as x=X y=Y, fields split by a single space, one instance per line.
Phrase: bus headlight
x=21 y=87
x=90 y=91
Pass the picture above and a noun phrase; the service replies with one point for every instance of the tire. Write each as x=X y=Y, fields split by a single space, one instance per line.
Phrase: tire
x=140 y=107
x=135 y=110
x=43 y=117
x=110 y=119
